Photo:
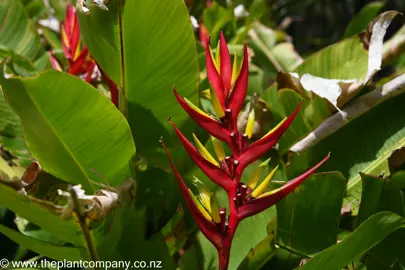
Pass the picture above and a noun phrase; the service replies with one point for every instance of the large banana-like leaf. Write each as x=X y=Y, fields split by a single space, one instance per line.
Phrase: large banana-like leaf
x=368 y=234
x=308 y=218
x=71 y=129
x=42 y=214
x=43 y=248
x=18 y=32
x=146 y=47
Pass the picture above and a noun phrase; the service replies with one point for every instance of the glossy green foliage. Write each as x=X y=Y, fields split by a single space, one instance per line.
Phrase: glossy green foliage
x=150 y=48
x=70 y=137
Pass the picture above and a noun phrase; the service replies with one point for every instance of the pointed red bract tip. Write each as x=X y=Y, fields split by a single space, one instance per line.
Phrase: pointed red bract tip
x=258 y=205
x=212 y=126
x=213 y=76
x=215 y=173
x=54 y=62
x=258 y=148
x=225 y=65
x=238 y=94
x=207 y=227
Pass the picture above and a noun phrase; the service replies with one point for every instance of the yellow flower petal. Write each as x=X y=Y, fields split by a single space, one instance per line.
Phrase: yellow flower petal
x=250 y=124
x=259 y=190
x=235 y=69
x=218 y=148
x=199 y=205
x=203 y=151
x=77 y=52
x=214 y=60
x=218 y=58
x=216 y=104
x=215 y=209
x=254 y=179
x=206 y=94
x=64 y=37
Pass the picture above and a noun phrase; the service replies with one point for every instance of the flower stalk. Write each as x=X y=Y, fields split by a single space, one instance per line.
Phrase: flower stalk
x=228 y=93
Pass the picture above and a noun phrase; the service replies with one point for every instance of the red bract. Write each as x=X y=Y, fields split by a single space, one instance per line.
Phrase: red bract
x=79 y=60
x=228 y=93
x=80 y=63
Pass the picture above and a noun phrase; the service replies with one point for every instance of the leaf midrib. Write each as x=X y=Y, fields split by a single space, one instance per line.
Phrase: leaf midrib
x=41 y=113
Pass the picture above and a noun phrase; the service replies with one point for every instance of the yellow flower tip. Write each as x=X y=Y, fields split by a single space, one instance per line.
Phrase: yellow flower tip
x=203 y=151
x=250 y=124
x=254 y=179
x=200 y=206
x=215 y=61
x=78 y=51
x=216 y=104
x=265 y=163
x=218 y=148
x=215 y=209
x=218 y=58
x=275 y=128
x=235 y=68
x=206 y=94
x=203 y=192
x=259 y=190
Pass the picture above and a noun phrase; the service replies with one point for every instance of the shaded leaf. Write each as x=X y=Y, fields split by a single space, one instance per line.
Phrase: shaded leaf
x=18 y=32
x=40 y=213
x=338 y=256
x=52 y=251
x=319 y=198
x=361 y=19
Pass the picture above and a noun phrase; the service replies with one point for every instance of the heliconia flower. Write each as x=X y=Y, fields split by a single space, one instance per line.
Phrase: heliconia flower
x=227 y=93
x=214 y=172
x=259 y=190
x=270 y=198
x=254 y=179
x=80 y=63
x=207 y=227
x=79 y=60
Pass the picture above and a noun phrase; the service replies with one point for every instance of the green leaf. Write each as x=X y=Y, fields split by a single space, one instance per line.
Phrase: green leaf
x=383 y=194
x=74 y=135
x=259 y=255
x=11 y=135
x=353 y=150
x=298 y=216
x=312 y=114
x=146 y=47
x=18 y=32
x=45 y=249
x=280 y=57
x=345 y=60
x=215 y=18
x=361 y=20
x=380 y=194
x=133 y=244
x=40 y=213
x=379 y=226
